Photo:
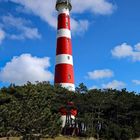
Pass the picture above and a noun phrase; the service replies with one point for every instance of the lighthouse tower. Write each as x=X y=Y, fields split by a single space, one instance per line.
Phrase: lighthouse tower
x=64 y=73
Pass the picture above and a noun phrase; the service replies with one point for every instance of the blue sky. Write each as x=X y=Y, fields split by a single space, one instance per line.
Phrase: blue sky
x=105 y=38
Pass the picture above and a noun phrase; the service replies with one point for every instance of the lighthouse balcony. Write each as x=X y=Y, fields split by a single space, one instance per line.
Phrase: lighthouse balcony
x=64 y=3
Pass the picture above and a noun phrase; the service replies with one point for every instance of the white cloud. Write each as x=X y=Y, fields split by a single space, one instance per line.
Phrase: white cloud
x=94 y=87
x=114 y=85
x=2 y=35
x=22 y=26
x=102 y=7
x=100 y=74
x=127 y=51
x=46 y=10
x=79 y=27
x=137 y=47
x=136 y=82
x=25 y=68
x=122 y=50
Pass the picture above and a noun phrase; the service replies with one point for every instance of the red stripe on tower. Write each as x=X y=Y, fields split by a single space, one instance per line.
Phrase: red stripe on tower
x=64 y=73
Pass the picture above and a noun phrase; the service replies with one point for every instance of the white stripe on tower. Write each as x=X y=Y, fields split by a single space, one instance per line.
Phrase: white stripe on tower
x=64 y=73
x=64 y=58
x=64 y=33
x=63 y=11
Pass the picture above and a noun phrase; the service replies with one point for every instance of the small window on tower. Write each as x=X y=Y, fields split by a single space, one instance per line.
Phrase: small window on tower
x=69 y=77
x=68 y=57
x=66 y=24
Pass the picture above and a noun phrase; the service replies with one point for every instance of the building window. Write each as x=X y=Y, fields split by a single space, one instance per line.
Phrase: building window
x=69 y=77
x=68 y=57
x=66 y=24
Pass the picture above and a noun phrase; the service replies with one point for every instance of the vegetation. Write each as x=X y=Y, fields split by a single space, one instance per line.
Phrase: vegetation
x=34 y=109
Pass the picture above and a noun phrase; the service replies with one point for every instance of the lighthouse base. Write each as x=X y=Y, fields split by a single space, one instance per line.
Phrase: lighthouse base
x=69 y=86
x=67 y=119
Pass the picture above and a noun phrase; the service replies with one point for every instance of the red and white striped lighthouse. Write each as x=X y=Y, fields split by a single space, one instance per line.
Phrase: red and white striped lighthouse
x=64 y=73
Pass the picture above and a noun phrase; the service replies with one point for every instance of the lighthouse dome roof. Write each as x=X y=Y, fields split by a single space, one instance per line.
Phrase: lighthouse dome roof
x=69 y=1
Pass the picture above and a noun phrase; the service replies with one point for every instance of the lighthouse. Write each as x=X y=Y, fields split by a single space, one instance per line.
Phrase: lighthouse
x=64 y=72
